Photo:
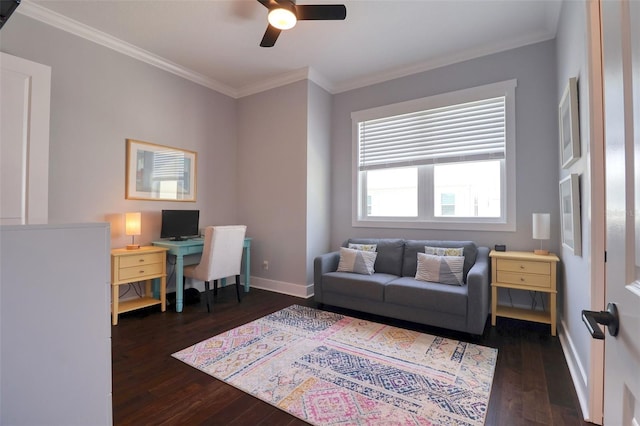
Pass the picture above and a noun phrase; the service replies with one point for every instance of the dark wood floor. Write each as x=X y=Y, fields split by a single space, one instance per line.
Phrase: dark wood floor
x=531 y=386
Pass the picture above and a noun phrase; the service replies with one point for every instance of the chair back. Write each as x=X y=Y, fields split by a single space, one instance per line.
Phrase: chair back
x=222 y=252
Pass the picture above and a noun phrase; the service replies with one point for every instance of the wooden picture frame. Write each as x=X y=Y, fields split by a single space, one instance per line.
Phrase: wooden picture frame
x=570 y=213
x=159 y=173
x=569 y=124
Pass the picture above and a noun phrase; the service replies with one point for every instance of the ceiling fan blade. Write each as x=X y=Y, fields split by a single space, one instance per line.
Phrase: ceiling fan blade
x=321 y=12
x=267 y=3
x=270 y=36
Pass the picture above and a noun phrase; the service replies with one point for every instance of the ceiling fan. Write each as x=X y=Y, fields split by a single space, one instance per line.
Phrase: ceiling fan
x=283 y=15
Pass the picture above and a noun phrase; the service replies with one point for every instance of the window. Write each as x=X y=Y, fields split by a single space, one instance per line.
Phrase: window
x=445 y=161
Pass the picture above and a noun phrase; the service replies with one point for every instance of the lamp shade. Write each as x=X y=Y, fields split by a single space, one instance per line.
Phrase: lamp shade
x=541 y=226
x=283 y=17
x=132 y=223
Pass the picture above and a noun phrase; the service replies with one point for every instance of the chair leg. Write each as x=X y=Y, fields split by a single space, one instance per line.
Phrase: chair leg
x=238 y=287
x=215 y=289
x=206 y=294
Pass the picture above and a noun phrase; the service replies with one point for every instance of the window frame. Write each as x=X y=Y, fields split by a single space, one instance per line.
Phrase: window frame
x=507 y=222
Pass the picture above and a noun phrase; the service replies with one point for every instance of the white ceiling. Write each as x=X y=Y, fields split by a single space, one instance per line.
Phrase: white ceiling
x=215 y=42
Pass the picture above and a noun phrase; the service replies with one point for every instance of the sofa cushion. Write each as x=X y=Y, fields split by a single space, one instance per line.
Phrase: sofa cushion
x=358 y=261
x=436 y=297
x=440 y=269
x=369 y=287
x=390 y=253
x=413 y=247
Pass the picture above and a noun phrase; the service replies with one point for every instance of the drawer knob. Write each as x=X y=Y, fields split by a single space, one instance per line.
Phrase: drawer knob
x=141 y=271
x=141 y=260
x=522 y=279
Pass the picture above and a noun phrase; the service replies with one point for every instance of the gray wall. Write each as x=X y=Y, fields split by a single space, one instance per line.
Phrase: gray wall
x=272 y=183
x=534 y=68
x=278 y=161
x=99 y=98
x=318 y=175
x=576 y=284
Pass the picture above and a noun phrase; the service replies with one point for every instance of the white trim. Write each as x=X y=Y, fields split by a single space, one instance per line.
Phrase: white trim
x=505 y=224
x=382 y=77
x=42 y=14
x=64 y=23
x=576 y=369
x=79 y=29
x=283 y=79
x=36 y=103
x=597 y=207
x=291 y=289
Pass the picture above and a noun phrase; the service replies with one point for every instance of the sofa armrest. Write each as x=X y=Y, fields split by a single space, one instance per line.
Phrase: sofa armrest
x=321 y=265
x=478 y=292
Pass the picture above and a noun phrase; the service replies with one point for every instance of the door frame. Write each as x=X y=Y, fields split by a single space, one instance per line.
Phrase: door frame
x=595 y=375
x=35 y=144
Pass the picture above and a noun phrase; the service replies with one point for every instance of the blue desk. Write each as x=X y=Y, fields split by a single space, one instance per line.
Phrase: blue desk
x=180 y=249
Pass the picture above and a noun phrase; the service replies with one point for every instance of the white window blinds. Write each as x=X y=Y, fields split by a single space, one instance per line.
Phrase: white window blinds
x=469 y=131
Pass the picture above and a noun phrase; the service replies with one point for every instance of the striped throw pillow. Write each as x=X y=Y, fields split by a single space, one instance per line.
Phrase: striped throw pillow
x=440 y=269
x=357 y=261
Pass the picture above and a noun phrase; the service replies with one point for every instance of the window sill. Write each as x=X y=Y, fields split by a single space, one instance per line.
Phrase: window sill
x=442 y=224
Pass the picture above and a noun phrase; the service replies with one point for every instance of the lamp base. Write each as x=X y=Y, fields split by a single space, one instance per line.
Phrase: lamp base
x=540 y=251
x=133 y=246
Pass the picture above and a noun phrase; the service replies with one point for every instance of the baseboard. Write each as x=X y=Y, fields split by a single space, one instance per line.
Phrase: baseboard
x=291 y=289
x=576 y=369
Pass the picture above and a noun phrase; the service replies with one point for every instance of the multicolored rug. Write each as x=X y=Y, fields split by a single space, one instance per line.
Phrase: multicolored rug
x=331 y=369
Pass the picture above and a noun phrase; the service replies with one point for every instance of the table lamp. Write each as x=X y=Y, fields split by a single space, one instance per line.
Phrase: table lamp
x=132 y=226
x=541 y=229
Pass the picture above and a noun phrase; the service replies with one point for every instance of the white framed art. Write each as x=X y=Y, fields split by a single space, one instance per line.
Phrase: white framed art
x=570 y=213
x=569 y=124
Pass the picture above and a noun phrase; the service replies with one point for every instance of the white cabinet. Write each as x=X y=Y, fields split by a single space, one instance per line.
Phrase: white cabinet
x=55 y=332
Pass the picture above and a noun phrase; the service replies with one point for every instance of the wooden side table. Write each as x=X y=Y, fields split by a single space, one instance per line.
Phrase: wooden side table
x=524 y=271
x=143 y=264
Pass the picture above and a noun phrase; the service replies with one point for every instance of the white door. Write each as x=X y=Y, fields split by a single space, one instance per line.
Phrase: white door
x=25 y=90
x=621 y=75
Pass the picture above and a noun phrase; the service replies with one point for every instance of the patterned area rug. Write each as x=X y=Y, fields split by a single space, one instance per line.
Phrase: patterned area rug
x=331 y=369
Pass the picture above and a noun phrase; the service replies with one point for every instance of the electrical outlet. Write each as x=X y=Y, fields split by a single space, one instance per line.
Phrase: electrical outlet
x=265 y=265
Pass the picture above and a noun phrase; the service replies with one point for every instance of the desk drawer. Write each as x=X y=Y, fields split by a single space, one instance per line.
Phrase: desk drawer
x=139 y=271
x=525 y=266
x=141 y=259
x=533 y=280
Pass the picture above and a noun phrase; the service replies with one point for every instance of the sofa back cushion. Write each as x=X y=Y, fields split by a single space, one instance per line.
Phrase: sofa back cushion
x=390 y=254
x=413 y=247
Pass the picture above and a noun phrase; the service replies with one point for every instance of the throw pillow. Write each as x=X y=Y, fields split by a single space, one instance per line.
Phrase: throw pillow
x=440 y=269
x=358 y=261
x=444 y=251
x=363 y=247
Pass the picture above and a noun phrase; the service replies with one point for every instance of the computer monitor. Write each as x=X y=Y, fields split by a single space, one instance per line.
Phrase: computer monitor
x=179 y=224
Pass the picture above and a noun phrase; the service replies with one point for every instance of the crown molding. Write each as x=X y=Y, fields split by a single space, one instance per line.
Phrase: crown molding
x=79 y=29
x=283 y=79
x=370 y=80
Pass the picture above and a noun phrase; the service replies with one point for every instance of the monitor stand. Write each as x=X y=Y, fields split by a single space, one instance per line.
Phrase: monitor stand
x=177 y=239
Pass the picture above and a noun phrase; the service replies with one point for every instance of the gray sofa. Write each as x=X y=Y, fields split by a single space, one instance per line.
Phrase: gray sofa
x=393 y=291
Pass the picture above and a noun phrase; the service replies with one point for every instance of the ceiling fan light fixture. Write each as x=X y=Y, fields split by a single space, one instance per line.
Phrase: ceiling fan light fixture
x=283 y=17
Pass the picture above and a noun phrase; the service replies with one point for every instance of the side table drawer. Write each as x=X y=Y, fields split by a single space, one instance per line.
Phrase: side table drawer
x=139 y=271
x=141 y=259
x=528 y=267
x=542 y=281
